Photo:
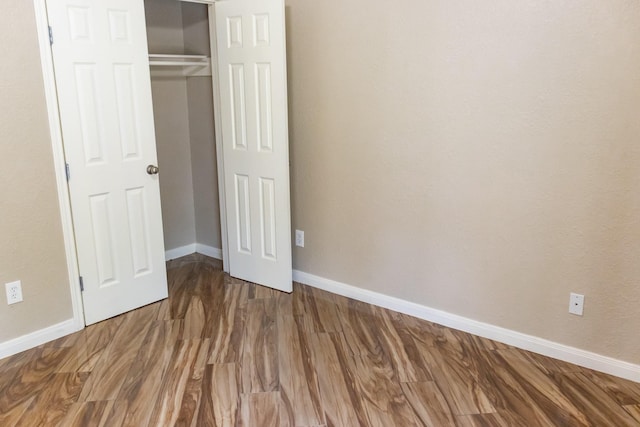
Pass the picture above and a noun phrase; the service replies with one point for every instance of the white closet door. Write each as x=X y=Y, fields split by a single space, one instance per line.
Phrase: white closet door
x=250 y=42
x=104 y=94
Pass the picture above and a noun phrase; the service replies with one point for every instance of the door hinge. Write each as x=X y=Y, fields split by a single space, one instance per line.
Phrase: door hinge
x=50 y=35
x=67 y=171
x=81 y=284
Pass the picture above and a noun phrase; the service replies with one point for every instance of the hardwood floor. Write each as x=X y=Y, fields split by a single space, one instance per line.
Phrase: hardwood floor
x=222 y=352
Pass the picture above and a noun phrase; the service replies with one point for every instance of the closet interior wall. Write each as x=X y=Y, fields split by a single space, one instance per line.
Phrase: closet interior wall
x=184 y=123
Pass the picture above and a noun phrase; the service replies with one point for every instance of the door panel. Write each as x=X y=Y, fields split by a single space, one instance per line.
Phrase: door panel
x=251 y=65
x=104 y=95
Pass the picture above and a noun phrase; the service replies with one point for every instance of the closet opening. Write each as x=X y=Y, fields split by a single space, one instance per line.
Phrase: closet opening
x=179 y=42
x=121 y=112
x=221 y=129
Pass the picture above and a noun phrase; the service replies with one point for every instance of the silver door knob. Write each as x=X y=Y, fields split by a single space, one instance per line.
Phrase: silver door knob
x=152 y=170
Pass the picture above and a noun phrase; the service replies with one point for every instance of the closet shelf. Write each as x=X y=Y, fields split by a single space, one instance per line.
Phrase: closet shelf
x=179 y=65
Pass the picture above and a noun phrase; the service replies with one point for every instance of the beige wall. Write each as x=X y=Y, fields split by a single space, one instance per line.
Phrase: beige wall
x=171 y=114
x=201 y=129
x=481 y=158
x=32 y=248
x=203 y=161
x=164 y=26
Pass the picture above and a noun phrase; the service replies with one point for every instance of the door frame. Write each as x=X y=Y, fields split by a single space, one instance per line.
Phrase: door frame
x=55 y=131
x=213 y=42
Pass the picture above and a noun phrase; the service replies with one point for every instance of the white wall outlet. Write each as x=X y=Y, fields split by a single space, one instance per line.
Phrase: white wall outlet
x=14 y=292
x=576 y=304
x=300 y=238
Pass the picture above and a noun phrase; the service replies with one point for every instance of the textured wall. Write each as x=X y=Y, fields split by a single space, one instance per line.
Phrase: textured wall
x=32 y=248
x=476 y=157
x=171 y=115
x=203 y=161
x=201 y=129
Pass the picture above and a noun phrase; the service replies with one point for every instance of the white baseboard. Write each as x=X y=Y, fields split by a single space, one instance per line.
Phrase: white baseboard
x=191 y=249
x=180 y=251
x=50 y=333
x=34 y=339
x=209 y=251
x=542 y=346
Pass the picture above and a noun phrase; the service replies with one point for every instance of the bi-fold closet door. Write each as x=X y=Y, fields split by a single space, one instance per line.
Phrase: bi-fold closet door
x=103 y=82
x=250 y=64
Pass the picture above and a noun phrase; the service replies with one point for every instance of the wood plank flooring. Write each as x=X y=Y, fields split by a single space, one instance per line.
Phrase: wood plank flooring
x=222 y=352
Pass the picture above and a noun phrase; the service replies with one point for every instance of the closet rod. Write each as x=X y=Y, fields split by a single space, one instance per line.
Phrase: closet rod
x=177 y=64
x=170 y=60
x=171 y=55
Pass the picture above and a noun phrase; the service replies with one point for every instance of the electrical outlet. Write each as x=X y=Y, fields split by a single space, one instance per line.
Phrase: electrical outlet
x=576 y=304
x=14 y=292
x=300 y=238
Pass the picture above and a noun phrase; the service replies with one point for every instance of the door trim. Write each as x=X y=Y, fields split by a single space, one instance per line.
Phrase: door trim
x=217 y=125
x=53 y=113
